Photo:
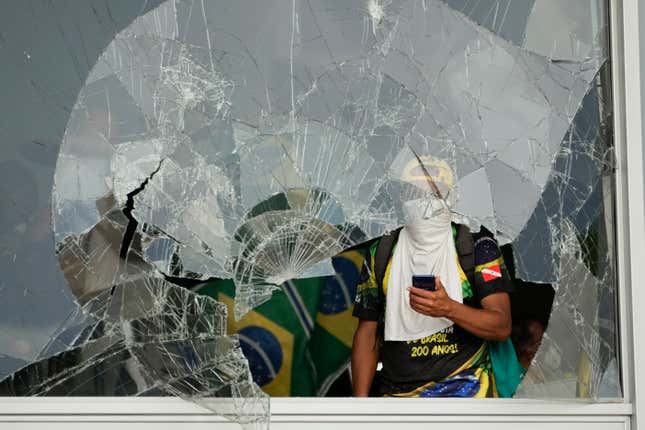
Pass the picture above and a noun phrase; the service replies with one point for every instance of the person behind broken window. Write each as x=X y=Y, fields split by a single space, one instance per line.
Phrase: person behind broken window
x=431 y=343
x=527 y=336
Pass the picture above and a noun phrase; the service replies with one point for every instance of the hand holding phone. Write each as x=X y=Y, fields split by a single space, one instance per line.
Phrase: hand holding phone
x=425 y=282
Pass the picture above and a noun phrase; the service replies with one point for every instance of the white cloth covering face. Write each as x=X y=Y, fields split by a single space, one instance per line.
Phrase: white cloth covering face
x=425 y=247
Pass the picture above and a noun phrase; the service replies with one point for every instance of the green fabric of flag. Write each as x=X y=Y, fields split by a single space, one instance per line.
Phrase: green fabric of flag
x=506 y=367
x=299 y=341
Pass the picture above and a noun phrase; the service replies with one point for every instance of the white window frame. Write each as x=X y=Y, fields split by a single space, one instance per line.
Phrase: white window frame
x=627 y=34
x=627 y=20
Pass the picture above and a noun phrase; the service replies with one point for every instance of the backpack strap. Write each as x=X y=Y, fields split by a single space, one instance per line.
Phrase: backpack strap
x=465 y=246
x=381 y=258
x=382 y=255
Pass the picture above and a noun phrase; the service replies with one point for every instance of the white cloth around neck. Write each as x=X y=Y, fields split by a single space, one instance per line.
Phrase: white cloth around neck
x=425 y=247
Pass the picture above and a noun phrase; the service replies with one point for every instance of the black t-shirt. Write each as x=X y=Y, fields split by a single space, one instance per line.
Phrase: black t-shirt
x=453 y=362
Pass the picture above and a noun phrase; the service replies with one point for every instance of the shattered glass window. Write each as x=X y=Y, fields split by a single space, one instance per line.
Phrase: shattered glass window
x=190 y=185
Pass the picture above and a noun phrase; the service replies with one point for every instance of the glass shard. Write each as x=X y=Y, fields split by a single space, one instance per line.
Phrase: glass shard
x=250 y=142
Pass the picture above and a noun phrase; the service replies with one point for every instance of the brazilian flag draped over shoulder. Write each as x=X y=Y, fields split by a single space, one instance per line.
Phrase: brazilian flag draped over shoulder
x=299 y=341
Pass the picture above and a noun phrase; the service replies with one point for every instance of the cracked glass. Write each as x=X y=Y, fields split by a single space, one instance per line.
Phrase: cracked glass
x=192 y=186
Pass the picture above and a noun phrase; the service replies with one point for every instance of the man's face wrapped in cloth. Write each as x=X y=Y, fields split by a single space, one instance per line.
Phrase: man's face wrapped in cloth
x=426 y=185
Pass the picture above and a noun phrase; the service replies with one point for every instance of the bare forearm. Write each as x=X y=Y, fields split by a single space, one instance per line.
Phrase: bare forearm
x=364 y=359
x=490 y=324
